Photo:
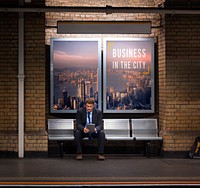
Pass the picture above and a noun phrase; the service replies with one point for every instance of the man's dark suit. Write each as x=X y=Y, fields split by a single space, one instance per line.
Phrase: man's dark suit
x=81 y=117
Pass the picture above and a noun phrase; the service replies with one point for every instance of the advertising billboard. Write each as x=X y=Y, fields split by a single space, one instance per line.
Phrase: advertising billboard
x=75 y=74
x=128 y=75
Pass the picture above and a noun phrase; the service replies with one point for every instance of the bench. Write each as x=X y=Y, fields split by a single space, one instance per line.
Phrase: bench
x=60 y=130
x=145 y=130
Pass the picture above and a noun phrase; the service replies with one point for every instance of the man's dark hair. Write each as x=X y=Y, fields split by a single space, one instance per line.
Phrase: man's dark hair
x=89 y=101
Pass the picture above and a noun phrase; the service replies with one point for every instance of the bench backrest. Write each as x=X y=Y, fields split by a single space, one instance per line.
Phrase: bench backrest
x=144 y=127
x=117 y=127
x=60 y=129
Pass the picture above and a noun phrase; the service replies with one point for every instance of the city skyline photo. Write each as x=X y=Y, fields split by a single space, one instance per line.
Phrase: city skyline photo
x=75 y=74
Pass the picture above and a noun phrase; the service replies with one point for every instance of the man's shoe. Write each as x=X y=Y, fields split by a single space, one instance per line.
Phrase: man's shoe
x=101 y=157
x=79 y=157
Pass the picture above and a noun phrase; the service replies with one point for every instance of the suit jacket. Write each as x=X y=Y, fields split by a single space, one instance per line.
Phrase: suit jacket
x=96 y=119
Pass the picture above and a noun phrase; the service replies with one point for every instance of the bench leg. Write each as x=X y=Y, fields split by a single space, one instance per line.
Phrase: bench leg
x=61 y=149
x=147 y=148
x=160 y=149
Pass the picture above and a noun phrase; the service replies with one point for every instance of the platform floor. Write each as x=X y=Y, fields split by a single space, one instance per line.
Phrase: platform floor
x=116 y=170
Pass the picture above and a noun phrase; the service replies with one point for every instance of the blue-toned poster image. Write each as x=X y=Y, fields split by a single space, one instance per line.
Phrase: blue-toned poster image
x=75 y=74
x=128 y=75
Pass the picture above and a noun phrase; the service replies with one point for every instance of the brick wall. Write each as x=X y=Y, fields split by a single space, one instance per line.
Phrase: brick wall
x=35 y=125
x=178 y=80
x=180 y=83
x=8 y=81
x=178 y=72
x=51 y=31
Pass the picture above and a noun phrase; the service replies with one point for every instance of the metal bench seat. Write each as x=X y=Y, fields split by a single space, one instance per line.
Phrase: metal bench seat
x=145 y=130
x=61 y=130
x=117 y=129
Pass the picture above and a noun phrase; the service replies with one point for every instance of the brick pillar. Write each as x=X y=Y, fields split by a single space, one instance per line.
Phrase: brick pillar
x=35 y=134
x=179 y=83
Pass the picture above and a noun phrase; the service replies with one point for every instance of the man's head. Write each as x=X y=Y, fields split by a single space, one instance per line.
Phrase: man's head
x=89 y=104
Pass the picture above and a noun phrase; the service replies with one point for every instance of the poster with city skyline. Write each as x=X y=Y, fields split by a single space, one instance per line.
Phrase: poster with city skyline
x=75 y=74
x=128 y=75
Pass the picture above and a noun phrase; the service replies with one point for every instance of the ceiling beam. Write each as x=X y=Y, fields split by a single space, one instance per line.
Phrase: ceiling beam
x=106 y=10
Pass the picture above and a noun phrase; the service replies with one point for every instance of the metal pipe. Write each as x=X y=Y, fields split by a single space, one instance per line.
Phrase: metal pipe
x=107 y=10
x=21 y=84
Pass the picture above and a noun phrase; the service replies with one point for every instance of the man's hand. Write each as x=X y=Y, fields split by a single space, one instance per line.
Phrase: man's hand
x=85 y=130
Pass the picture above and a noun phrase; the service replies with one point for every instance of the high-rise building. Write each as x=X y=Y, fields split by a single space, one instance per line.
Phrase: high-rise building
x=81 y=89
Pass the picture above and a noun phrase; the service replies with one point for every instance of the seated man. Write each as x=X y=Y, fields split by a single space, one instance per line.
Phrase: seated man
x=84 y=116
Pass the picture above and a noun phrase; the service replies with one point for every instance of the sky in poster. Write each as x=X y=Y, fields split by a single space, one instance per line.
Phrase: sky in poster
x=75 y=54
x=136 y=53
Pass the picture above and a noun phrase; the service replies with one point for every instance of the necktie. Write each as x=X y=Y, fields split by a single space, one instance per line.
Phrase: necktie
x=90 y=140
x=89 y=117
